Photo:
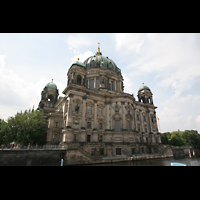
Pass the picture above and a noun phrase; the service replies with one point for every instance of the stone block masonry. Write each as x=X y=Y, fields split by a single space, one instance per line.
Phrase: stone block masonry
x=31 y=157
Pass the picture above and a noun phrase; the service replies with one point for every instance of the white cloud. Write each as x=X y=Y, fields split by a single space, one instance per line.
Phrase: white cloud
x=75 y=42
x=2 y=59
x=174 y=58
x=19 y=94
x=129 y=41
x=178 y=113
x=188 y=122
x=128 y=83
x=82 y=57
x=197 y=120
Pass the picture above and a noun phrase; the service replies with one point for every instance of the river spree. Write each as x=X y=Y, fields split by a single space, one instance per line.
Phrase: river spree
x=154 y=162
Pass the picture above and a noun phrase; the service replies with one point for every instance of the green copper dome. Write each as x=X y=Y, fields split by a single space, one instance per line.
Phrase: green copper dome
x=144 y=87
x=51 y=85
x=99 y=61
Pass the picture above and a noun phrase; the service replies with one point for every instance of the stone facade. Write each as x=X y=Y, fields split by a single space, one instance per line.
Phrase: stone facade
x=96 y=114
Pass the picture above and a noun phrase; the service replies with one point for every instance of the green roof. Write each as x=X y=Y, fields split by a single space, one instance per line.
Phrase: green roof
x=144 y=87
x=78 y=63
x=51 y=85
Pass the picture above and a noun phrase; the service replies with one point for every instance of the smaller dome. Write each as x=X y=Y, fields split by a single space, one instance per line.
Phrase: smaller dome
x=144 y=87
x=78 y=63
x=51 y=85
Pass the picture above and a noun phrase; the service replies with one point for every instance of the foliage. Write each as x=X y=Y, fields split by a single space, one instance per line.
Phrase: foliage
x=191 y=138
x=165 y=137
x=177 y=138
x=25 y=128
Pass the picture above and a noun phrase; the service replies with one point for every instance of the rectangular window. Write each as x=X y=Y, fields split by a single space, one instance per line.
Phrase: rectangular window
x=100 y=126
x=118 y=151
x=88 y=138
x=117 y=125
x=128 y=125
x=100 y=111
x=133 y=151
x=91 y=83
x=144 y=118
x=142 y=149
x=138 y=129
x=88 y=124
x=111 y=86
x=89 y=111
x=75 y=137
x=97 y=84
x=101 y=151
x=100 y=138
x=138 y=117
x=146 y=130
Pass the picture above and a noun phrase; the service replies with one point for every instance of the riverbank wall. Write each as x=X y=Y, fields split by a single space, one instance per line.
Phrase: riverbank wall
x=31 y=157
x=184 y=151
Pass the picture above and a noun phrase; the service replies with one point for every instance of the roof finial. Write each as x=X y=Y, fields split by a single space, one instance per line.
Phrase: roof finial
x=78 y=58
x=98 y=47
x=143 y=83
x=52 y=80
x=98 y=52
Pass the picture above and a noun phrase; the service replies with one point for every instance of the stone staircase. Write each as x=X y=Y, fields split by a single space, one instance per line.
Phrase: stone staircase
x=92 y=158
x=85 y=153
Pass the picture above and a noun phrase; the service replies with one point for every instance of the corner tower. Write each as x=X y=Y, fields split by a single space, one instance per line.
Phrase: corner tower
x=145 y=95
x=49 y=97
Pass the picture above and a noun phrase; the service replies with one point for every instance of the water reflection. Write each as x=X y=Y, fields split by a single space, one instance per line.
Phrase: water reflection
x=154 y=162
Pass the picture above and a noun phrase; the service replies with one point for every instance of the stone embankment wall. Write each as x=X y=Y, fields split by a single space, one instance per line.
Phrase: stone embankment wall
x=185 y=151
x=31 y=157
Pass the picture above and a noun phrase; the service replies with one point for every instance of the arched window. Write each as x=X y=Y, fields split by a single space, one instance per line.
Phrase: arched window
x=79 y=79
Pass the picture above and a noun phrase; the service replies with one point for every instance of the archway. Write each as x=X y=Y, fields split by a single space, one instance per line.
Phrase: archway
x=79 y=79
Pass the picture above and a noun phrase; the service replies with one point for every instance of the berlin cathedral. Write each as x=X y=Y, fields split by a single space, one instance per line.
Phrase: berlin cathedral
x=96 y=114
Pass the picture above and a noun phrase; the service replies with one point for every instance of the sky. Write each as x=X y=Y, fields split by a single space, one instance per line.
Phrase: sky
x=168 y=63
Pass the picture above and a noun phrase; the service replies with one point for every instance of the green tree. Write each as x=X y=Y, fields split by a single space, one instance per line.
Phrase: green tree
x=176 y=139
x=32 y=127
x=165 y=137
x=5 y=133
x=25 y=128
x=191 y=138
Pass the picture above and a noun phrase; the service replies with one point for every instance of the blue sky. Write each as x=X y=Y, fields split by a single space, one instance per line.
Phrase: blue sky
x=167 y=63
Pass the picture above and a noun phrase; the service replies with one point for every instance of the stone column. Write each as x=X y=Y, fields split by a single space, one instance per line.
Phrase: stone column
x=107 y=124
x=88 y=83
x=95 y=79
x=69 y=111
x=148 y=113
x=123 y=116
x=141 y=121
x=114 y=85
x=95 y=114
x=119 y=86
x=134 y=120
x=83 y=112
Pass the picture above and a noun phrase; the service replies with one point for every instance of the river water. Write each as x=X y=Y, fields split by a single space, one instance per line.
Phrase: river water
x=154 y=162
